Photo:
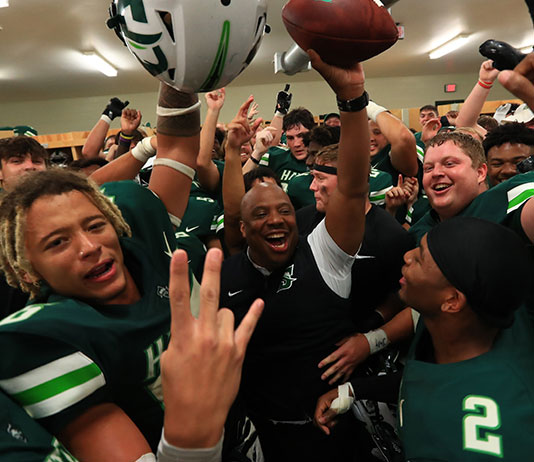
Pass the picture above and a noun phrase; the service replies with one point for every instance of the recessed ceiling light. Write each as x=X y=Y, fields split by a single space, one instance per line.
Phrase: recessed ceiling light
x=4 y=3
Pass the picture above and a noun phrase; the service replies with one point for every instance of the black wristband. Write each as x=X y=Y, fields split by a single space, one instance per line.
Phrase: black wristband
x=353 y=105
x=256 y=161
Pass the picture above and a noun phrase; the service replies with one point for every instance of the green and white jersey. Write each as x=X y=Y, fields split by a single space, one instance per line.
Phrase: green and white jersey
x=382 y=161
x=417 y=210
x=196 y=251
x=477 y=410
x=501 y=204
x=66 y=356
x=298 y=190
x=201 y=214
x=283 y=163
x=379 y=184
x=24 y=440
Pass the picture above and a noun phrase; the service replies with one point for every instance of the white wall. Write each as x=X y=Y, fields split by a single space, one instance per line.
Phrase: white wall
x=78 y=114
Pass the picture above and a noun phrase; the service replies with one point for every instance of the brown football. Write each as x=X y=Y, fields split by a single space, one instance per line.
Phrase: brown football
x=340 y=31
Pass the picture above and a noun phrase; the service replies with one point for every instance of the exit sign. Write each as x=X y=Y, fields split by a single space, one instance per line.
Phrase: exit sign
x=450 y=87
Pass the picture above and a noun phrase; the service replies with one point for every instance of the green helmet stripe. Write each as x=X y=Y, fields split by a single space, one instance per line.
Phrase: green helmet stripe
x=161 y=66
x=220 y=59
x=139 y=47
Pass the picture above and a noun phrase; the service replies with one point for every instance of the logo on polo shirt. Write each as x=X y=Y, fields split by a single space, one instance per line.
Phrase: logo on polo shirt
x=287 y=279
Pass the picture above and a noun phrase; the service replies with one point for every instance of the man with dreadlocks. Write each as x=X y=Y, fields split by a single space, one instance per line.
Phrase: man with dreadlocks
x=84 y=357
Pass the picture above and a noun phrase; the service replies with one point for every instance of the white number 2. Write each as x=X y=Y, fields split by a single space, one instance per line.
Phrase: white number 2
x=486 y=416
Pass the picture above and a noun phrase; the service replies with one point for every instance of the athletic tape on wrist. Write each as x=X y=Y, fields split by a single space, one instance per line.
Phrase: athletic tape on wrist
x=150 y=457
x=378 y=340
x=373 y=110
x=169 y=453
x=143 y=150
x=105 y=118
x=178 y=166
x=344 y=401
x=176 y=111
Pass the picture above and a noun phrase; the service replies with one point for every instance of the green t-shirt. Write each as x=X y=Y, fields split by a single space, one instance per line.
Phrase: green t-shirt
x=24 y=440
x=283 y=163
x=481 y=409
x=501 y=204
x=379 y=184
x=66 y=356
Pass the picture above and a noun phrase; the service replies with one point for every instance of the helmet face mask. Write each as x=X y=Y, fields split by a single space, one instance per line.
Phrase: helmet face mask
x=191 y=47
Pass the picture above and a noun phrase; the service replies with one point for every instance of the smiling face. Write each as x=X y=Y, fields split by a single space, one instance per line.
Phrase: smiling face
x=425 y=115
x=269 y=225
x=14 y=167
x=75 y=249
x=450 y=180
x=295 y=142
x=377 y=140
x=503 y=160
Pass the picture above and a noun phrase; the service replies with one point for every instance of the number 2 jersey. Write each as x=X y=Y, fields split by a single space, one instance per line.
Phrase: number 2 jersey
x=481 y=409
x=63 y=356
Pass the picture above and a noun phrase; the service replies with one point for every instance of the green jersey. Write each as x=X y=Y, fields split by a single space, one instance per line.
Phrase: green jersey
x=382 y=161
x=481 y=409
x=24 y=440
x=66 y=356
x=501 y=204
x=379 y=184
x=298 y=190
x=200 y=217
x=283 y=163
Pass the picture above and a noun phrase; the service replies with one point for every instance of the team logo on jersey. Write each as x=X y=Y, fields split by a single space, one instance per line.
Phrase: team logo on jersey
x=163 y=292
x=14 y=432
x=287 y=279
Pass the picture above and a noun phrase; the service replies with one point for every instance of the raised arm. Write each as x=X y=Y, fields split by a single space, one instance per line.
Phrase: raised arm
x=130 y=121
x=97 y=135
x=207 y=172
x=178 y=128
x=470 y=110
x=402 y=141
x=520 y=81
x=239 y=131
x=345 y=215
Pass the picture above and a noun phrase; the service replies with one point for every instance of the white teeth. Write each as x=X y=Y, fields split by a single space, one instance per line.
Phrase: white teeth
x=276 y=236
x=440 y=187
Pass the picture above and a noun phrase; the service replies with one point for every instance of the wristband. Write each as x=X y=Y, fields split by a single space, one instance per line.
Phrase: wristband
x=125 y=139
x=178 y=166
x=378 y=340
x=170 y=453
x=353 y=105
x=485 y=84
x=374 y=109
x=344 y=401
x=143 y=150
x=256 y=161
x=105 y=118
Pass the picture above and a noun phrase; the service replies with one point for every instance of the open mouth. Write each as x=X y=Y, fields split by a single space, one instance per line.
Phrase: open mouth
x=100 y=272
x=278 y=242
x=440 y=187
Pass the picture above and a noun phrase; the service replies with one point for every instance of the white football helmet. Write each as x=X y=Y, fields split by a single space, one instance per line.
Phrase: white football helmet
x=192 y=45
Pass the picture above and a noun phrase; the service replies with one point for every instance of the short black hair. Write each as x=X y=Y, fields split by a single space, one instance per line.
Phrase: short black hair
x=487 y=122
x=512 y=132
x=259 y=173
x=323 y=135
x=297 y=116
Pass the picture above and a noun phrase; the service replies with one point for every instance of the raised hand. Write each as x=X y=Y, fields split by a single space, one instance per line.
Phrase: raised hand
x=215 y=99
x=201 y=368
x=130 y=121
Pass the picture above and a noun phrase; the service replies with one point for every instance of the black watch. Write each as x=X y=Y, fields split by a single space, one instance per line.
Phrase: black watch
x=353 y=105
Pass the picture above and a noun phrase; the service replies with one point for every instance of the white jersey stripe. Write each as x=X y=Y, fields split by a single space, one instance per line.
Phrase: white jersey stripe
x=42 y=374
x=65 y=399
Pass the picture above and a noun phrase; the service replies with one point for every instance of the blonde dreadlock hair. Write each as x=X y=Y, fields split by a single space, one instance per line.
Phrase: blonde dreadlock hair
x=14 y=207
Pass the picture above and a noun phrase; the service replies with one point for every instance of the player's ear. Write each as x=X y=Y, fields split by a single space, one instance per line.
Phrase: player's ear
x=242 y=229
x=454 y=302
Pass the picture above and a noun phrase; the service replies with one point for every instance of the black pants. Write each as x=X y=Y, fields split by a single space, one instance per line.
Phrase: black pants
x=348 y=441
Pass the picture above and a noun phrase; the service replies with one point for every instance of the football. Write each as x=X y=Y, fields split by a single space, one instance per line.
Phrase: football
x=340 y=31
